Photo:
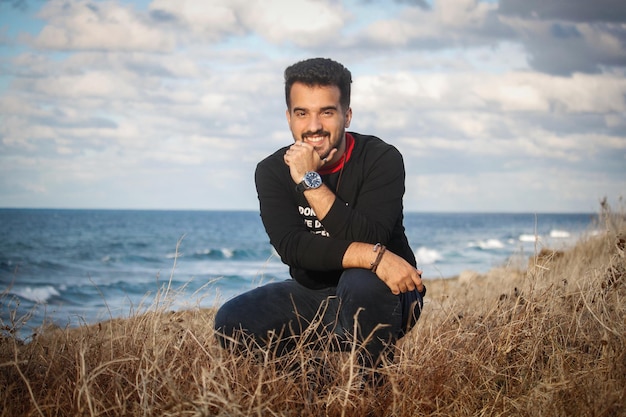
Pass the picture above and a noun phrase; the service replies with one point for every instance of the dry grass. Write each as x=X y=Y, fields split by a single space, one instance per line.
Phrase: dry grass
x=548 y=341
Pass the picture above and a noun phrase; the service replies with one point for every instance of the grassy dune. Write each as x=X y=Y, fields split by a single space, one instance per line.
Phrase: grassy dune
x=548 y=340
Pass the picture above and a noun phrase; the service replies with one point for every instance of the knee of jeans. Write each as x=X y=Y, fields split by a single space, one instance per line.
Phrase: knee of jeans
x=220 y=319
x=226 y=323
x=361 y=282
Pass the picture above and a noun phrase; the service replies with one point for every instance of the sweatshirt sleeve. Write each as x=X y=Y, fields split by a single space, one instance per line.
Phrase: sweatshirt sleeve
x=296 y=245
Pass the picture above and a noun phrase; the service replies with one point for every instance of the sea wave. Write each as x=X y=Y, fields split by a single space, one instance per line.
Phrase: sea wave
x=225 y=253
x=529 y=238
x=112 y=261
x=128 y=258
x=427 y=256
x=486 y=244
x=559 y=234
x=36 y=294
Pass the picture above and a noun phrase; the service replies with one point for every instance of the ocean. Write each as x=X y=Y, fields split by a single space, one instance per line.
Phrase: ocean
x=73 y=267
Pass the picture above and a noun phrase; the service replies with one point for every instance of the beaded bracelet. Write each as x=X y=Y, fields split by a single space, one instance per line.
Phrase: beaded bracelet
x=381 y=250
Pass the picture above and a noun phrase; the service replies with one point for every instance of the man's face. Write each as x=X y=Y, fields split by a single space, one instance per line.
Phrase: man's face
x=316 y=117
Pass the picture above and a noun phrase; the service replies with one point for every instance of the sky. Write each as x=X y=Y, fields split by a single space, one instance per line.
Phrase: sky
x=496 y=106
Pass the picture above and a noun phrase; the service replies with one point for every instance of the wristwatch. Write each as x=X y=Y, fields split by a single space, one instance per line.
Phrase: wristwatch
x=310 y=181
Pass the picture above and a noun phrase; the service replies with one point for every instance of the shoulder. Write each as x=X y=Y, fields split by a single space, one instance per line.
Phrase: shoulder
x=272 y=171
x=369 y=146
x=273 y=161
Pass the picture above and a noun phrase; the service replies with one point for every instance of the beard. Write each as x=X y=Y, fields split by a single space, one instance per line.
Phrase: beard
x=325 y=133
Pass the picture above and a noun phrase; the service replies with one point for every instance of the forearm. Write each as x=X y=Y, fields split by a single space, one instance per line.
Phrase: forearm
x=359 y=255
x=321 y=200
x=396 y=272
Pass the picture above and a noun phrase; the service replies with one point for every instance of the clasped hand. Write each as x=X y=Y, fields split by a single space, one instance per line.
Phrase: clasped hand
x=398 y=274
x=302 y=158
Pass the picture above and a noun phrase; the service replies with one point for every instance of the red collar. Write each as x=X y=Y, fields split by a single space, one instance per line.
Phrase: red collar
x=337 y=166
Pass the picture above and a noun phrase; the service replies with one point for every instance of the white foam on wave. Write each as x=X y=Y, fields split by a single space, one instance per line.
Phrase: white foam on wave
x=226 y=253
x=559 y=234
x=37 y=294
x=487 y=244
x=529 y=238
x=426 y=256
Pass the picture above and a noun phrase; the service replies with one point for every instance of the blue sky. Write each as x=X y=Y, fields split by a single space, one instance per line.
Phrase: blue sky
x=510 y=105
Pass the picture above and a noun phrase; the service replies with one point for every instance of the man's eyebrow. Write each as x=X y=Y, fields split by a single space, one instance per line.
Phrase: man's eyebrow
x=323 y=109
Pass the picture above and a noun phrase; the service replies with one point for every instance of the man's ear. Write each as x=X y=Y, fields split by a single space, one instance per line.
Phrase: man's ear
x=348 y=116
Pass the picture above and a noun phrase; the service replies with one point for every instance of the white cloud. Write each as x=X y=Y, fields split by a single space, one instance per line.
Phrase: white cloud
x=172 y=105
x=448 y=23
x=526 y=91
x=566 y=47
x=463 y=14
x=476 y=104
x=92 y=84
x=84 y=24
x=305 y=23
x=211 y=19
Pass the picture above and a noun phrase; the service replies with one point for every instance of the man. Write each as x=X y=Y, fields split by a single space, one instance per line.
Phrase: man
x=331 y=204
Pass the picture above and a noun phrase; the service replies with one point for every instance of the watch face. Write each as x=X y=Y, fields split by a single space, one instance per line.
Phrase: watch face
x=312 y=179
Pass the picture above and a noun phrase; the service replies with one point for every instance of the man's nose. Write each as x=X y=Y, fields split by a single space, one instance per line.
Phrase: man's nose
x=315 y=123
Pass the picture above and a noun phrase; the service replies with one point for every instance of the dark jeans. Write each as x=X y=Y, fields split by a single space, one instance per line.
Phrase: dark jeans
x=284 y=315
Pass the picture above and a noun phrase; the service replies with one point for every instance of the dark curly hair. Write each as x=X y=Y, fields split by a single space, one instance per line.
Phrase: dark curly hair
x=319 y=72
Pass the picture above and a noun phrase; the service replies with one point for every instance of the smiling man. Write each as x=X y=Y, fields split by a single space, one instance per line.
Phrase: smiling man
x=332 y=206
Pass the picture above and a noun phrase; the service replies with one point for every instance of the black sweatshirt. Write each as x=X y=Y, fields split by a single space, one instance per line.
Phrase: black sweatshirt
x=368 y=208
